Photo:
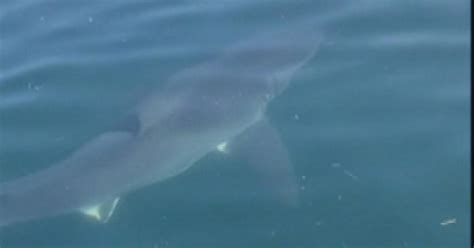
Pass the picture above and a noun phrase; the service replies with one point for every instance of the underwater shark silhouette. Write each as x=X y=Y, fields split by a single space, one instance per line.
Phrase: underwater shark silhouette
x=218 y=104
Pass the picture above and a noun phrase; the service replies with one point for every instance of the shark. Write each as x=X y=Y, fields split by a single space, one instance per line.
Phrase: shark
x=217 y=105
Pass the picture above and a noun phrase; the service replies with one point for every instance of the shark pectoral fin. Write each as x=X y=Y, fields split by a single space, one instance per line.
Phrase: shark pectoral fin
x=261 y=147
x=222 y=147
x=101 y=212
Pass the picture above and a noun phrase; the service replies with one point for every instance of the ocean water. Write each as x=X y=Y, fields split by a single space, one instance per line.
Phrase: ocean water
x=376 y=123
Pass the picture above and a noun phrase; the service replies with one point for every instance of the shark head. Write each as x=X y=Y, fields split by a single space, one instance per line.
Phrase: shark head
x=276 y=57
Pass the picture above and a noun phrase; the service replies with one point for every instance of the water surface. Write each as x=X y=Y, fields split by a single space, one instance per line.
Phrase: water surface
x=377 y=123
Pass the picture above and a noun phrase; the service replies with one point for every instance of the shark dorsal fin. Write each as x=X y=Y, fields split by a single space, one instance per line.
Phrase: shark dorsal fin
x=101 y=212
x=130 y=123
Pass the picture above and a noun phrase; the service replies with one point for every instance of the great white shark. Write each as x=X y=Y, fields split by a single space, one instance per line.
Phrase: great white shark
x=219 y=104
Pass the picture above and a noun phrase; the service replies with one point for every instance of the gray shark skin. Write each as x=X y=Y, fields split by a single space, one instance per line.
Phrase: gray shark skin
x=220 y=103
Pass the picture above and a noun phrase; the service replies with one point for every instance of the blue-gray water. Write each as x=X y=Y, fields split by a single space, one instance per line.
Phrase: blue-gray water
x=377 y=123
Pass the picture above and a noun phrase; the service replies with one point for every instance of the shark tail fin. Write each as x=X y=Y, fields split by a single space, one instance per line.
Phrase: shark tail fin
x=101 y=212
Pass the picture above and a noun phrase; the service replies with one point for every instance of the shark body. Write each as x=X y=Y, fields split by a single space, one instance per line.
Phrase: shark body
x=219 y=104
